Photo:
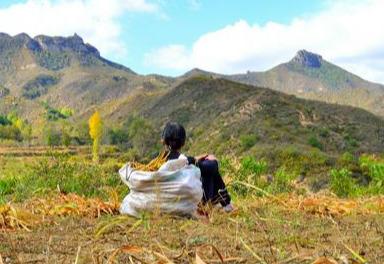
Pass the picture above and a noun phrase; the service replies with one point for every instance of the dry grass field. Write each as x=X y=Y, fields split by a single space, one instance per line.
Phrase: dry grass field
x=64 y=209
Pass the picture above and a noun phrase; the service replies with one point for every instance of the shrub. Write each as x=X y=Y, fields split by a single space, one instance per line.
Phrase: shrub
x=248 y=174
x=342 y=183
x=10 y=132
x=66 y=112
x=226 y=166
x=80 y=133
x=281 y=182
x=66 y=138
x=375 y=170
x=142 y=135
x=249 y=165
x=52 y=137
x=39 y=86
x=347 y=158
x=314 y=142
x=118 y=136
x=4 y=121
x=53 y=60
x=52 y=114
x=248 y=141
x=351 y=142
x=324 y=132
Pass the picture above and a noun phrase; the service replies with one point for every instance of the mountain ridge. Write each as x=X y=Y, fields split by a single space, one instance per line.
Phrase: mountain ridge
x=44 y=76
x=309 y=76
x=62 y=72
x=227 y=110
x=54 y=46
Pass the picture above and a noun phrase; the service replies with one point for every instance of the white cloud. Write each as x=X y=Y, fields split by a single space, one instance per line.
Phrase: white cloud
x=95 y=20
x=347 y=33
x=194 y=4
x=173 y=57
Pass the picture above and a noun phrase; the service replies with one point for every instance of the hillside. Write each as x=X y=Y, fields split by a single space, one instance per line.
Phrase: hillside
x=305 y=177
x=227 y=116
x=275 y=152
x=309 y=76
x=61 y=72
x=55 y=83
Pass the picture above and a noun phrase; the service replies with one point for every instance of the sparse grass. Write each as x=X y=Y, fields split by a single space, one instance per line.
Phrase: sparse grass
x=21 y=179
x=282 y=182
x=342 y=183
x=247 y=171
x=262 y=230
x=271 y=225
x=248 y=141
x=371 y=167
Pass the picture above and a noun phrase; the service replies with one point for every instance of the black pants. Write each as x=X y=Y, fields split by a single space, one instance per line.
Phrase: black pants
x=213 y=185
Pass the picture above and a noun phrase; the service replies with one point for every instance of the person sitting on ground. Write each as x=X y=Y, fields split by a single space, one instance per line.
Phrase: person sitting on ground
x=214 y=190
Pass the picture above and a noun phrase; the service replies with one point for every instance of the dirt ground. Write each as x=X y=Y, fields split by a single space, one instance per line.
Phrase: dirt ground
x=258 y=232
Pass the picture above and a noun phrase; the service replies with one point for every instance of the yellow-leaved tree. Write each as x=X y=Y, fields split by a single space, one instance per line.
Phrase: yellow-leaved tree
x=95 y=131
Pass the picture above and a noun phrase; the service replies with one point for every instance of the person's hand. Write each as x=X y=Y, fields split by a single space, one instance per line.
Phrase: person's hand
x=201 y=157
x=205 y=157
x=210 y=157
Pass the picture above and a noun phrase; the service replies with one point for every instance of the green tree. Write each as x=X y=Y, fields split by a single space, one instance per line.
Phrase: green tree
x=51 y=136
x=118 y=136
x=142 y=134
x=66 y=138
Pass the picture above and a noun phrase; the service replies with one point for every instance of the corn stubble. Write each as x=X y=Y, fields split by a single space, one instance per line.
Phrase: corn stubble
x=37 y=209
x=13 y=218
x=153 y=165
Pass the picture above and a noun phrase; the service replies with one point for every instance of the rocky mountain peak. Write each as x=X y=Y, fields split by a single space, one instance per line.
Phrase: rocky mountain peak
x=72 y=43
x=22 y=37
x=196 y=72
x=51 y=52
x=9 y=42
x=46 y=43
x=307 y=59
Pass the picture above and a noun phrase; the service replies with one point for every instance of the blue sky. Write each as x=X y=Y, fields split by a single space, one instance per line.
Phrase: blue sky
x=186 y=20
x=227 y=36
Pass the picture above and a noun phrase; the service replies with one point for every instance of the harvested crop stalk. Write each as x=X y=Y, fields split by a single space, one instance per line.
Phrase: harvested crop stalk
x=252 y=252
x=12 y=218
x=153 y=165
x=355 y=254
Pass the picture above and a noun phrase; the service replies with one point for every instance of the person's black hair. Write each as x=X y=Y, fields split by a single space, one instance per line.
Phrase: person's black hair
x=173 y=136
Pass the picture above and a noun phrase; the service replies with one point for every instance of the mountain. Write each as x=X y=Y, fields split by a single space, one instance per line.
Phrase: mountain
x=62 y=72
x=309 y=76
x=60 y=81
x=221 y=114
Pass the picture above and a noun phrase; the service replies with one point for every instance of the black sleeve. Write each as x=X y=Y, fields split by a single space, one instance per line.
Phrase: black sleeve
x=191 y=160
